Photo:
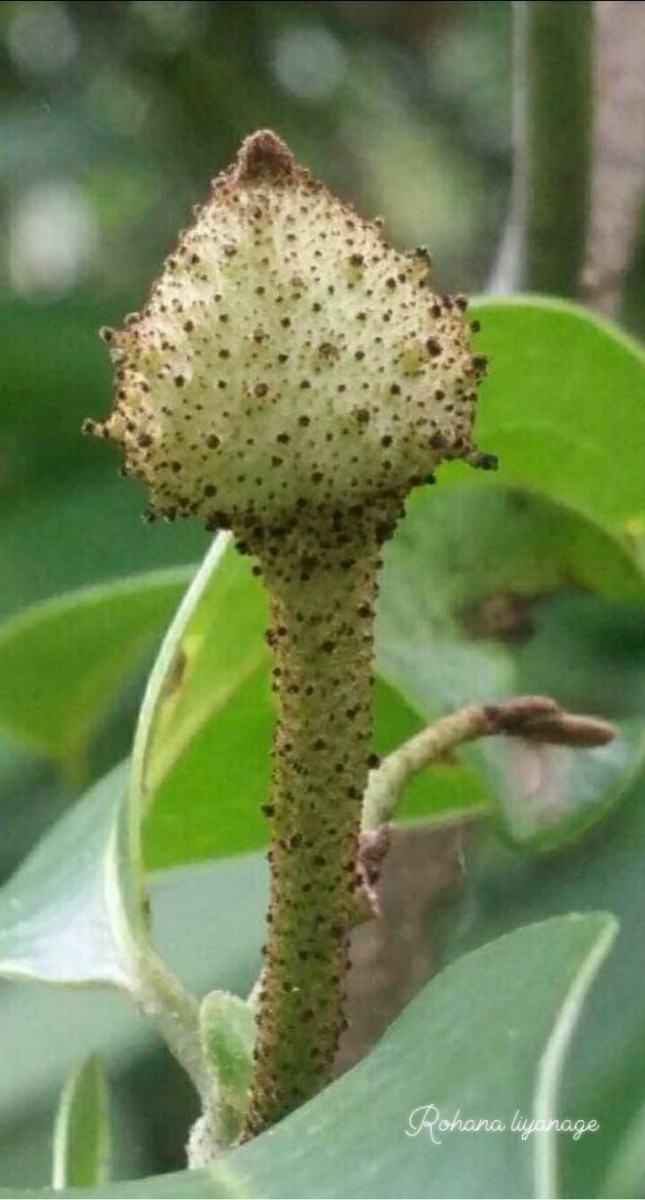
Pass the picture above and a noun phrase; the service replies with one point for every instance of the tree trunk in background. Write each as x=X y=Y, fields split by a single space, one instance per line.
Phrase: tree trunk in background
x=618 y=179
x=544 y=245
x=397 y=953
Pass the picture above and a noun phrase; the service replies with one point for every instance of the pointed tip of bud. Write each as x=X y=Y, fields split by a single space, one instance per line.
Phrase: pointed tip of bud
x=288 y=356
x=482 y=460
x=263 y=156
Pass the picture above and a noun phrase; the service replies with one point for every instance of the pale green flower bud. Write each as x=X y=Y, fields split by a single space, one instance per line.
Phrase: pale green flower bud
x=288 y=357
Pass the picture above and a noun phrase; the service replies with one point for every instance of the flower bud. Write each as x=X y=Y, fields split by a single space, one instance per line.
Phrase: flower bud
x=288 y=358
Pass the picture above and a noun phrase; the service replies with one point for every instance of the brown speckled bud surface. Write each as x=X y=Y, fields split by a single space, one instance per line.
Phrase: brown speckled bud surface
x=287 y=352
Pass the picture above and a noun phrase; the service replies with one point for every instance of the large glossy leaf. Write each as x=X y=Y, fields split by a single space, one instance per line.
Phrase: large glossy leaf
x=463 y=577
x=605 y=1076
x=82 y=1131
x=69 y=913
x=485 y=1040
x=564 y=405
x=63 y=661
x=60 y=1026
x=76 y=910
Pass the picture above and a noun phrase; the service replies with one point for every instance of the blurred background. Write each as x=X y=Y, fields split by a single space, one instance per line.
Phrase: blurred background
x=114 y=116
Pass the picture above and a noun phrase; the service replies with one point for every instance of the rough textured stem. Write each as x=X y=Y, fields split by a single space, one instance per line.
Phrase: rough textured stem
x=321 y=634
x=553 y=127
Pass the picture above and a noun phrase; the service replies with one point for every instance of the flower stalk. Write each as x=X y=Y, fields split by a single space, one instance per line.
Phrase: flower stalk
x=292 y=378
x=321 y=635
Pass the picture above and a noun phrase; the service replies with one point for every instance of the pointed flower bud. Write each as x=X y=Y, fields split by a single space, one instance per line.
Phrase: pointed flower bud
x=288 y=357
x=291 y=378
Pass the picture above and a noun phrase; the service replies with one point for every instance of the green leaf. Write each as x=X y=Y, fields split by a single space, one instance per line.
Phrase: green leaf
x=59 y=1026
x=213 y=646
x=79 y=647
x=456 y=1047
x=605 y=1075
x=82 y=1131
x=75 y=911
x=69 y=913
x=626 y=1176
x=228 y=1030
x=464 y=576
x=563 y=407
x=468 y=611
x=206 y=719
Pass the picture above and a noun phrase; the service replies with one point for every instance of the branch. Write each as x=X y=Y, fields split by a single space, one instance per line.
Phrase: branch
x=619 y=156
x=544 y=246
x=534 y=718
